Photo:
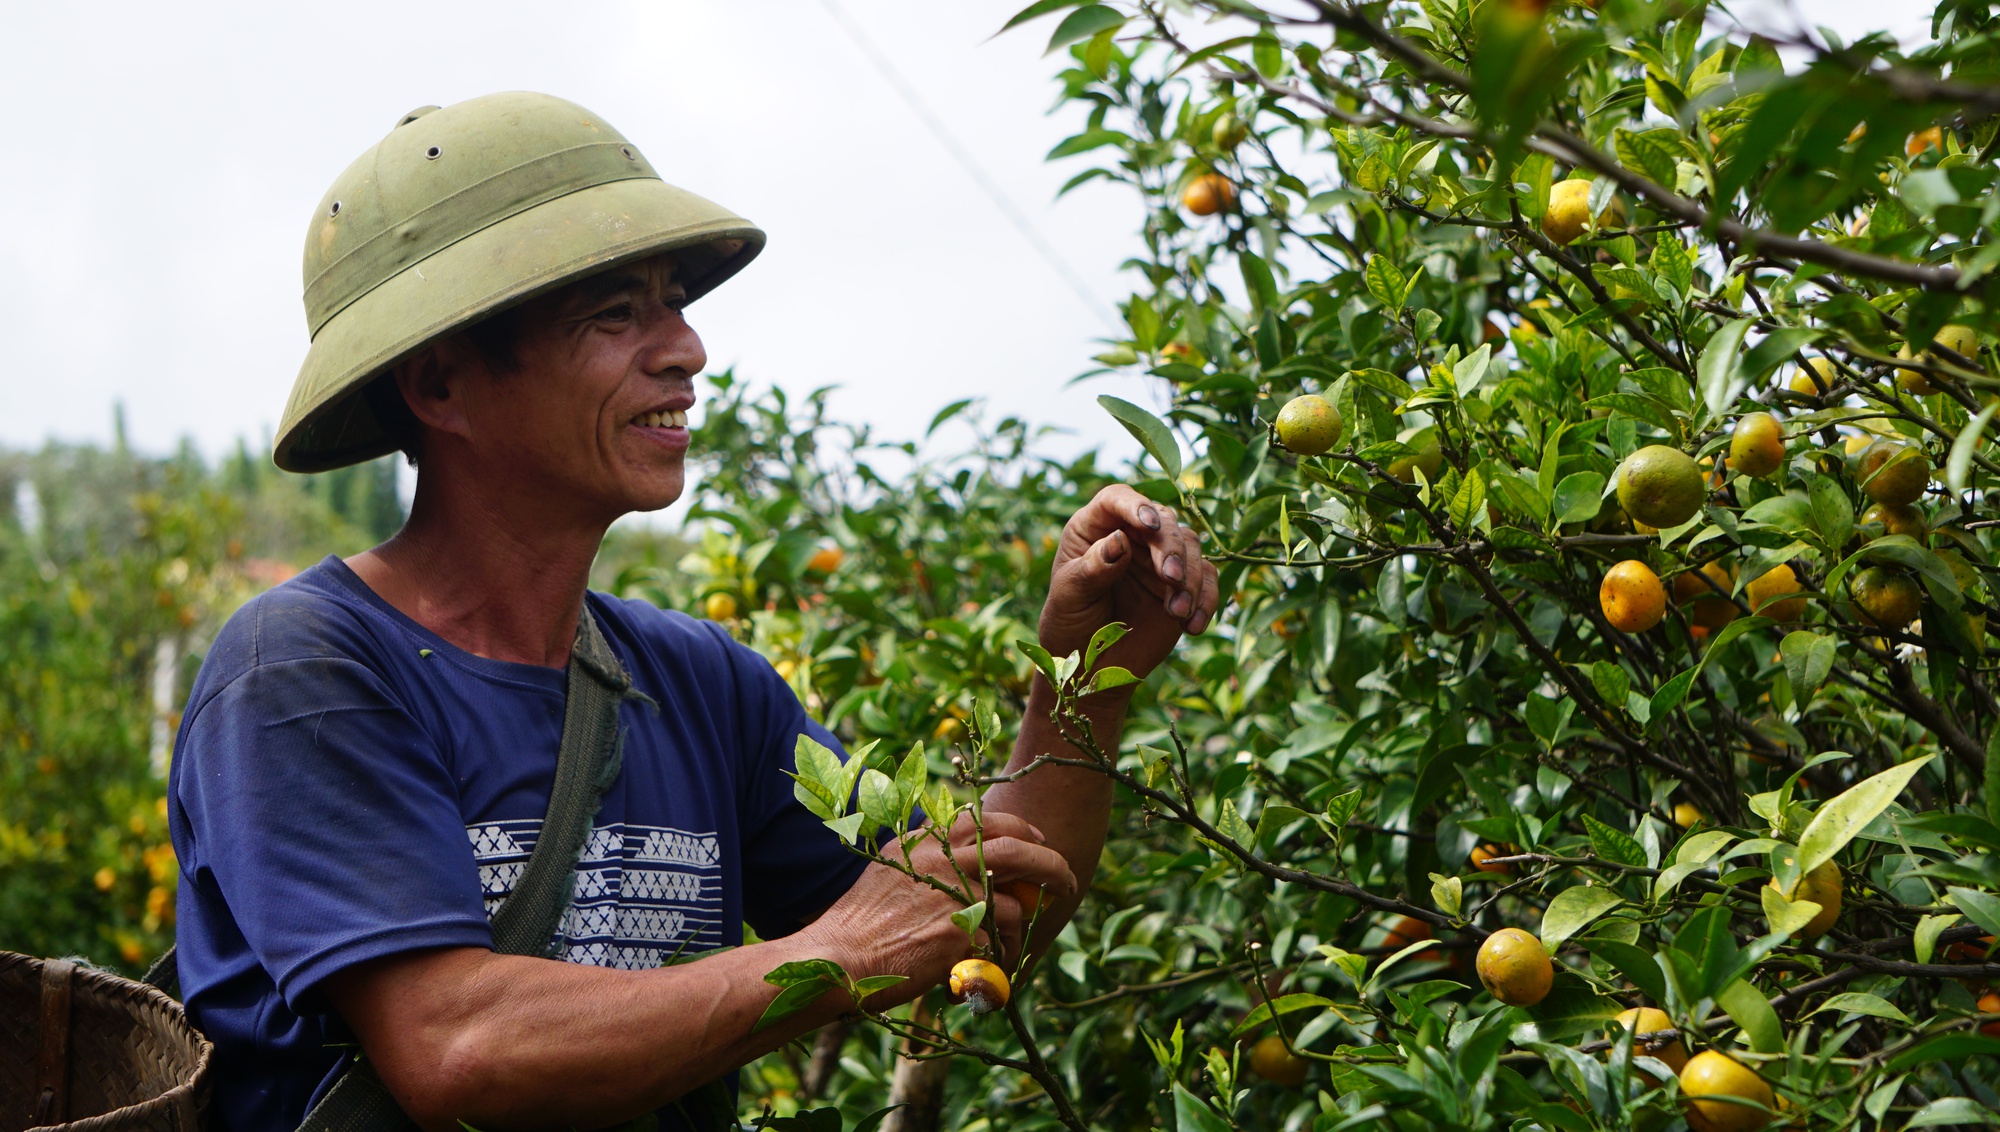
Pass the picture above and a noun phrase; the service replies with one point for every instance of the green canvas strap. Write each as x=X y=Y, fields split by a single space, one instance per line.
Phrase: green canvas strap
x=526 y=921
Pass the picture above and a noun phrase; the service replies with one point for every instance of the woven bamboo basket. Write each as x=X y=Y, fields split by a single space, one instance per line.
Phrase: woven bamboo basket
x=87 y=1051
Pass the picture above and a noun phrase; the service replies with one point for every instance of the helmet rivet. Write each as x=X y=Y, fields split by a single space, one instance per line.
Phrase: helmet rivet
x=335 y=210
x=433 y=153
x=627 y=151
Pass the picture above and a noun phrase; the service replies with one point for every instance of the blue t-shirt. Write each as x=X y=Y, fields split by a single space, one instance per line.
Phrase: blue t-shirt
x=347 y=785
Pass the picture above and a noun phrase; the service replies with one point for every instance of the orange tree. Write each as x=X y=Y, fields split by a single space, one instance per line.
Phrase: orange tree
x=1619 y=666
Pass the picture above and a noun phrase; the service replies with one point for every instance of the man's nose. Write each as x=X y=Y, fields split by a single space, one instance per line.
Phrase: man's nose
x=674 y=346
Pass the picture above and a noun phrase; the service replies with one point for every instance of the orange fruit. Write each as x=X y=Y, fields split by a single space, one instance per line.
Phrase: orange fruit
x=1274 y=1062
x=979 y=984
x=719 y=607
x=1632 y=597
x=1514 y=967
x=1711 y=607
x=1766 y=593
x=1816 y=380
x=1660 y=486
x=1309 y=425
x=1569 y=212
x=1922 y=140
x=1687 y=815
x=1885 y=597
x=1406 y=931
x=1033 y=897
x=1822 y=887
x=1757 y=448
x=1209 y=194
x=1482 y=858
x=1989 y=1003
x=1896 y=519
x=1892 y=473
x=1649 y=1020
x=826 y=560
x=1712 y=1074
x=1428 y=457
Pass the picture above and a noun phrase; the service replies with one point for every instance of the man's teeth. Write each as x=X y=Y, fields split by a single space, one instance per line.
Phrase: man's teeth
x=674 y=418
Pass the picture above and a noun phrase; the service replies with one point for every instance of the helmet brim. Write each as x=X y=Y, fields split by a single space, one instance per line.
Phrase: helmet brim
x=327 y=423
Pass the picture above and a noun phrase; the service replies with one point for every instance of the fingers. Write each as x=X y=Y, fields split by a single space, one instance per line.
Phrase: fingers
x=997 y=823
x=1090 y=575
x=1010 y=858
x=1207 y=599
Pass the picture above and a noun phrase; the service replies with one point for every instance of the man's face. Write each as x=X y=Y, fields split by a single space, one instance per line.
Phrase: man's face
x=596 y=413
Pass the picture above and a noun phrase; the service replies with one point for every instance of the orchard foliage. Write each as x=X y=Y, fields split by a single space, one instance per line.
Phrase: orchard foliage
x=1416 y=726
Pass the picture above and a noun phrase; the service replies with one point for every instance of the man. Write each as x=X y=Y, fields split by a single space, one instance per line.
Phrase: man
x=497 y=289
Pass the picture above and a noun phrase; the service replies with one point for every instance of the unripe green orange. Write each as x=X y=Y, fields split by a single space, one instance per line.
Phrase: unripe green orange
x=1886 y=598
x=1309 y=425
x=1660 y=486
x=1893 y=473
x=1428 y=457
x=1711 y=1074
x=1229 y=132
x=1514 y=967
x=1896 y=519
x=1757 y=448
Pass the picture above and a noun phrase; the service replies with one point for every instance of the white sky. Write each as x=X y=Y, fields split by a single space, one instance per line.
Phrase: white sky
x=162 y=161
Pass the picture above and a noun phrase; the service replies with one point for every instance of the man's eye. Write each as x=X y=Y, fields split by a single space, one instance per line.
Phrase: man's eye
x=620 y=313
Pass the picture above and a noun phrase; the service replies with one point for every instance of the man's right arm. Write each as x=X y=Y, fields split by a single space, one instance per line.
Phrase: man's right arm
x=502 y=1041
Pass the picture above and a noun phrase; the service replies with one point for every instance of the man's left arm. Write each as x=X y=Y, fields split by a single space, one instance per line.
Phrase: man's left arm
x=1126 y=559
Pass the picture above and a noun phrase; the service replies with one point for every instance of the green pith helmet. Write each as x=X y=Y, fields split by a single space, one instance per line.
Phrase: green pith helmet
x=461 y=212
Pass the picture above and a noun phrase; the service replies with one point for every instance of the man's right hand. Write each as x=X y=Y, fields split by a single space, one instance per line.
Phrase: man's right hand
x=892 y=924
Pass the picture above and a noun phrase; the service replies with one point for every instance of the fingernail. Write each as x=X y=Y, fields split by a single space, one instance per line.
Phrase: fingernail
x=1198 y=625
x=1114 y=547
x=1149 y=516
x=1180 y=604
x=1173 y=568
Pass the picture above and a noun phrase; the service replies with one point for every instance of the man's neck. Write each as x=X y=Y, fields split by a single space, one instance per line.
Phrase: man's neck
x=487 y=576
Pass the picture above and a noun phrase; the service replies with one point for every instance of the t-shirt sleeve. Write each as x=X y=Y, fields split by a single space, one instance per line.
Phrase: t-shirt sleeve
x=325 y=817
x=793 y=865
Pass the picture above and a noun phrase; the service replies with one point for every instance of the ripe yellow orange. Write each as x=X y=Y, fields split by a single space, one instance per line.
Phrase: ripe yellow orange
x=1632 y=597
x=1652 y=1020
x=1816 y=380
x=1660 y=486
x=1309 y=425
x=1896 y=519
x=1922 y=140
x=1569 y=212
x=1713 y=1074
x=1757 y=448
x=1274 y=1062
x=1514 y=967
x=1822 y=887
x=1893 y=473
x=1687 y=815
x=1209 y=194
x=719 y=607
x=1767 y=594
x=1708 y=590
x=1886 y=597
x=1960 y=340
x=826 y=560
x=981 y=985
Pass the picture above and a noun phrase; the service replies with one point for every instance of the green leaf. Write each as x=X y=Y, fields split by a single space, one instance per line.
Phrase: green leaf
x=1748 y=1008
x=802 y=983
x=1719 y=369
x=1150 y=431
x=1192 y=1114
x=1638 y=967
x=1786 y=916
x=1808 y=660
x=1038 y=8
x=1957 y=1048
x=1573 y=908
x=1855 y=1002
x=1982 y=908
x=1612 y=682
x=1278 y=1007
x=1952 y=1110
x=1578 y=497
x=1646 y=154
x=1082 y=24
x=1958 y=466
x=1468 y=507
x=1837 y=822
x=1385 y=282
x=969 y=918
x=1672 y=693
x=1613 y=844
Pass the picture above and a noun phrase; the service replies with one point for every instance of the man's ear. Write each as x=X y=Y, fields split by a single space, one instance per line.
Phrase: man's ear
x=432 y=382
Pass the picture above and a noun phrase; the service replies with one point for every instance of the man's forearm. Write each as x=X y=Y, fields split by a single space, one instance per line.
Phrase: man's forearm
x=1070 y=805
x=502 y=1041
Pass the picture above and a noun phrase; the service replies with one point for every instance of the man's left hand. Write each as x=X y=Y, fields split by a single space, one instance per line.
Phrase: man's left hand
x=1127 y=559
